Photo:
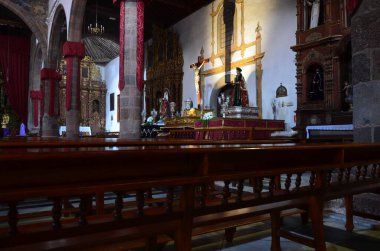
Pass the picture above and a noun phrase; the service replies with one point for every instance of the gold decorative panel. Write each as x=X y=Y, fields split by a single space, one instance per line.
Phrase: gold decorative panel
x=164 y=69
x=93 y=96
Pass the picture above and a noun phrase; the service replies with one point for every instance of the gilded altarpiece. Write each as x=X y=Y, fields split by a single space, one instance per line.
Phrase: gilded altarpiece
x=164 y=69
x=93 y=96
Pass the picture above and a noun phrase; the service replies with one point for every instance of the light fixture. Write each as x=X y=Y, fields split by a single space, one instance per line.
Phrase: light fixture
x=96 y=30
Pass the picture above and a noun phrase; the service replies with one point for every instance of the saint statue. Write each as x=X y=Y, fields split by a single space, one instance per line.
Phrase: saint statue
x=239 y=94
x=314 y=13
x=316 y=86
x=348 y=94
x=164 y=105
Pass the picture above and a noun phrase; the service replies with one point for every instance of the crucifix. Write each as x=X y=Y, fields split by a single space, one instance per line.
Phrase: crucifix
x=197 y=72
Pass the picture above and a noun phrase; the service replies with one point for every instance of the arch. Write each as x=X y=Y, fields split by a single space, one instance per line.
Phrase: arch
x=29 y=20
x=75 y=27
x=58 y=36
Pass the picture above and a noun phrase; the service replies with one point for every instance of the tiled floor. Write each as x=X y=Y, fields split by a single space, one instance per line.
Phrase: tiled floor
x=366 y=236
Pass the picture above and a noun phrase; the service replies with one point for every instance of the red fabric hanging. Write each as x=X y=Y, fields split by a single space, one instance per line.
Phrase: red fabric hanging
x=52 y=76
x=352 y=6
x=72 y=50
x=122 y=35
x=140 y=45
x=14 y=64
x=35 y=96
x=140 y=5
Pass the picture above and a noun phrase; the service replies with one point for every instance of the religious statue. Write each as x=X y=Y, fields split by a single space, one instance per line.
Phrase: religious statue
x=164 y=105
x=239 y=94
x=348 y=93
x=314 y=13
x=5 y=121
x=316 y=88
x=197 y=72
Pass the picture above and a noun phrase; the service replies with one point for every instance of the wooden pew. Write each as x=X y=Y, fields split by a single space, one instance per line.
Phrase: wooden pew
x=179 y=171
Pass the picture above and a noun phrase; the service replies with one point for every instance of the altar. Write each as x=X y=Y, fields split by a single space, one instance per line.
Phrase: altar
x=261 y=128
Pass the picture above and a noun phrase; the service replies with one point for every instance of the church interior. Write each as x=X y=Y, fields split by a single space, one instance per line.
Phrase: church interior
x=189 y=125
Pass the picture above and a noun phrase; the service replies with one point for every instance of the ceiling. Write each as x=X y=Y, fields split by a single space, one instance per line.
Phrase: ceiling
x=162 y=13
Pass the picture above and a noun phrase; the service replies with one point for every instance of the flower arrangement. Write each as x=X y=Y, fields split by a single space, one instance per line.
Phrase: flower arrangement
x=206 y=117
x=149 y=121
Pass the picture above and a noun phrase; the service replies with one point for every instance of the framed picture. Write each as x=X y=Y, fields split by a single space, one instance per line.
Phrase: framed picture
x=118 y=108
x=112 y=101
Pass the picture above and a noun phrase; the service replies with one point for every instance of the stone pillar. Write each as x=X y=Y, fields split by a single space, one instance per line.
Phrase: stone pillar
x=73 y=53
x=36 y=97
x=50 y=91
x=365 y=33
x=131 y=66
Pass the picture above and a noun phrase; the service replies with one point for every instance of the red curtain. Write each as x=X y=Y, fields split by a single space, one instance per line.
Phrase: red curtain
x=352 y=6
x=14 y=64
x=140 y=45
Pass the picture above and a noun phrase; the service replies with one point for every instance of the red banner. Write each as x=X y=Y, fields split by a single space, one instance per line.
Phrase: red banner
x=352 y=6
x=140 y=45
x=72 y=50
x=35 y=96
x=52 y=76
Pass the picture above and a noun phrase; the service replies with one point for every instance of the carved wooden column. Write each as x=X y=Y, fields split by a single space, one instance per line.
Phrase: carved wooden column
x=50 y=79
x=73 y=53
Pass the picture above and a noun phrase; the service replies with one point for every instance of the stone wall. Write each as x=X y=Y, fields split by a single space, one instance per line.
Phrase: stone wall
x=366 y=72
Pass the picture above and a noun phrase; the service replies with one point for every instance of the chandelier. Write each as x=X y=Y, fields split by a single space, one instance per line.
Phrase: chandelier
x=97 y=29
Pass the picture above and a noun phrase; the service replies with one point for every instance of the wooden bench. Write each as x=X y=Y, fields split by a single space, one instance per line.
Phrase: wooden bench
x=183 y=174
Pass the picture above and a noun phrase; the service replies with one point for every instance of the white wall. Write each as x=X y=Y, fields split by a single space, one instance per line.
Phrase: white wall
x=111 y=76
x=278 y=21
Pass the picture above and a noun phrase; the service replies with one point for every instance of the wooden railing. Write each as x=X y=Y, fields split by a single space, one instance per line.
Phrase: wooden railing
x=192 y=186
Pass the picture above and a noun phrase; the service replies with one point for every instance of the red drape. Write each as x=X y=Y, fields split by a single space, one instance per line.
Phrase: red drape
x=140 y=45
x=71 y=51
x=122 y=35
x=52 y=76
x=352 y=6
x=14 y=64
x=35 y=96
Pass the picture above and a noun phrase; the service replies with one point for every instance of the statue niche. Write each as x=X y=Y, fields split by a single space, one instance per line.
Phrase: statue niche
x=164 y=69
x=93 y=96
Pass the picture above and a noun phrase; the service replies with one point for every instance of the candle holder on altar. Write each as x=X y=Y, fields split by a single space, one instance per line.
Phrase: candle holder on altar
x=172 y=109
x=153 y=113
x=223 y=101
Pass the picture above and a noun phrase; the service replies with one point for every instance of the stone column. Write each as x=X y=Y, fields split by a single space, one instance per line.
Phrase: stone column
x=73 y=53
x=36 y=97
x=131 y=66
x=365 y=33
x=50 y=79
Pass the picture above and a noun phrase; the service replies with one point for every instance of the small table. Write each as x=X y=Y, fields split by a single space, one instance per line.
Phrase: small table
x=329 y=130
